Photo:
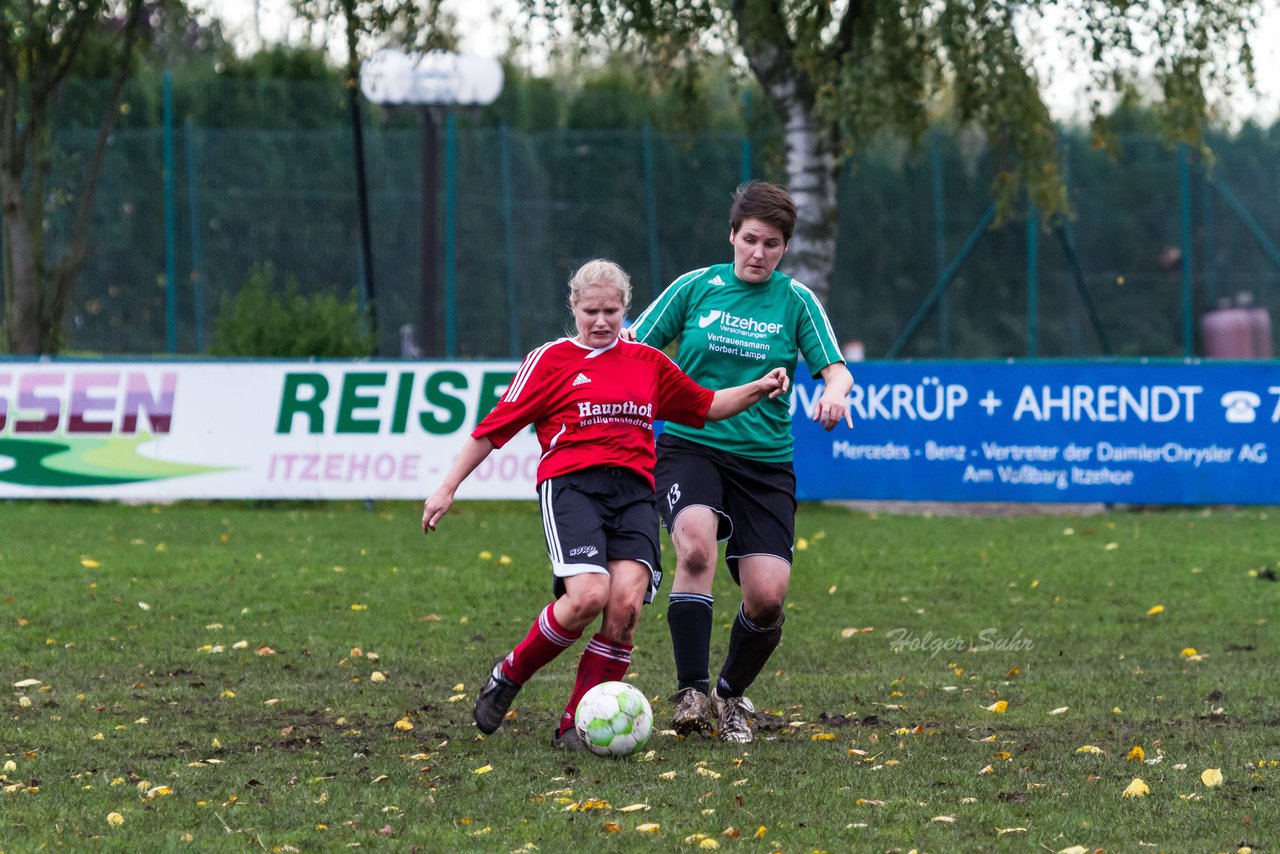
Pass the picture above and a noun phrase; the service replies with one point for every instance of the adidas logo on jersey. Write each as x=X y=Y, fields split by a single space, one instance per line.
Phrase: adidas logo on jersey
x=716 y=281
x=581 y=379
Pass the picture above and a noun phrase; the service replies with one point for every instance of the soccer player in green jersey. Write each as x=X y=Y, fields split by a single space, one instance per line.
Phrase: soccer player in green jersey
x=733 y=480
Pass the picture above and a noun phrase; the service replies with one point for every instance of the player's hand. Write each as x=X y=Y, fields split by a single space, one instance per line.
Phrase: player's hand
x=627 y=334
x=434 y=508
x=831 y=409
x=776 y=382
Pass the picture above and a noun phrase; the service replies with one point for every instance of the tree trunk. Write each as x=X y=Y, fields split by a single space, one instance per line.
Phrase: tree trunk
x=811 y=161
x=22 y=285
x=37 y=290
x=811 y=179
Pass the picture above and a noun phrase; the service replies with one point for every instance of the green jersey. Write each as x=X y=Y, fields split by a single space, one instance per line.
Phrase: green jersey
x=732 y=332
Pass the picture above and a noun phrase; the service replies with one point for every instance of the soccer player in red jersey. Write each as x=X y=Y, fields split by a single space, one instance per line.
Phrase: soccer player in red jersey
x=592 y=399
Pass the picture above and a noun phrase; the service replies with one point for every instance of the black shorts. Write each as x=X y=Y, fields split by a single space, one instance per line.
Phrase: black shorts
x=756 y=501
x=596 y=515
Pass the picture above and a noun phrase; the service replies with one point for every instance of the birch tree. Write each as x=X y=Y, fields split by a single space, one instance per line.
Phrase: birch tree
x=840 y=72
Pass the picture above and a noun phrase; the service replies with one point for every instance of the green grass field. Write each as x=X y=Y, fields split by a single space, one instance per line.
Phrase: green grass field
x=300 y=677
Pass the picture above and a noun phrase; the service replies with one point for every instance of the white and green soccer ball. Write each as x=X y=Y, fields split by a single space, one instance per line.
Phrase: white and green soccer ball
x=614 y=719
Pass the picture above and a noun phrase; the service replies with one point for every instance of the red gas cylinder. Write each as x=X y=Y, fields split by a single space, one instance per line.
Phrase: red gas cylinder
x=1227 y=332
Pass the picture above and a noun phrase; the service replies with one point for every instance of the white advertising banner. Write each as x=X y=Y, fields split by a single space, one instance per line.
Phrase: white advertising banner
x=312 y=430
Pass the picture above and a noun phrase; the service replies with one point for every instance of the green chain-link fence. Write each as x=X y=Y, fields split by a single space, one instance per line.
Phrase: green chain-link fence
x=524 y=208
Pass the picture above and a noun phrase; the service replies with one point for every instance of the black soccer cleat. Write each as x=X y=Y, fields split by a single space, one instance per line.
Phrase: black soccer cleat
x=494 y=700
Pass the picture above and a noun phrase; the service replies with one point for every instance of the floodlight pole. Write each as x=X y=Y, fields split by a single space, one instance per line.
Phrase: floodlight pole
x=362 y=199
x=431 y=80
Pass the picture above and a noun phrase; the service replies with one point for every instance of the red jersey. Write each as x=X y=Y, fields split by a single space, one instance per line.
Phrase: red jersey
x=595 y=407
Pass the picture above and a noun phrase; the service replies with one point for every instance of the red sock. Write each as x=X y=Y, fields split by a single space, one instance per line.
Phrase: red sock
x=602 y=661
x=546 y=640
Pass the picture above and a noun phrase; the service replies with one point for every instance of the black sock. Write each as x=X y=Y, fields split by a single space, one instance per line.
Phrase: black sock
x=749 y=649
x=689 y=619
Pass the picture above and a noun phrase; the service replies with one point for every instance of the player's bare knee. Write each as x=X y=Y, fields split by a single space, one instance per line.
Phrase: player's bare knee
x=697 y=560
x=767 y=613
x=587 y=602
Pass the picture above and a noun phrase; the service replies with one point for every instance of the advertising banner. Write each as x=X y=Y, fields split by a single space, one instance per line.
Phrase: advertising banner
x=156 y=430
x=1116 y=432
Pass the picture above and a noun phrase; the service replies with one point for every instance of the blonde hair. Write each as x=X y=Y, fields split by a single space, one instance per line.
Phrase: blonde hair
x=599 y=272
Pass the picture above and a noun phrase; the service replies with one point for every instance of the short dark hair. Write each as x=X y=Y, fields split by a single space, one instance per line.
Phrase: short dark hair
x=766 y=202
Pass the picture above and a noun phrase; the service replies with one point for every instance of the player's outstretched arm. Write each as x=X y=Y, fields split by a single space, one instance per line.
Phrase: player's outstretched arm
x=833 y=405
x=728 y=402
x=473 y=453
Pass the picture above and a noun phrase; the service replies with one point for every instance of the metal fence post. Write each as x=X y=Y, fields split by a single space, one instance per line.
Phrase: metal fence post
x=193 y=226
x=1184 y=196
x=939 y=245
x=509 y=242
x=1033 y=281
x=450 y=235
x=170 y=222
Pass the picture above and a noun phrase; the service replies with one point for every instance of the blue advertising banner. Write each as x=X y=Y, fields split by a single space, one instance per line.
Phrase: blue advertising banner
x=1114 y=432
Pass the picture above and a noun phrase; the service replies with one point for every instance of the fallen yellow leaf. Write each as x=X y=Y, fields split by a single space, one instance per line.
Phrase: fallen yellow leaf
x=358 y=607
x=1089 y=748
x=650 y=827
x=633 y=808
x=90 y=563
x=483 y=769
x=1136 y=789
x=1188 y=652
x=1136 y=753
x=999 y=707
x=1211 y=777
x=114 y=818
x=760 y=832
x=404 y=724
x=1155 y=609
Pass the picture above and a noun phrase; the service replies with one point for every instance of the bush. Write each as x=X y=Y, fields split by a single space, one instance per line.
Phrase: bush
x=261 y=321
